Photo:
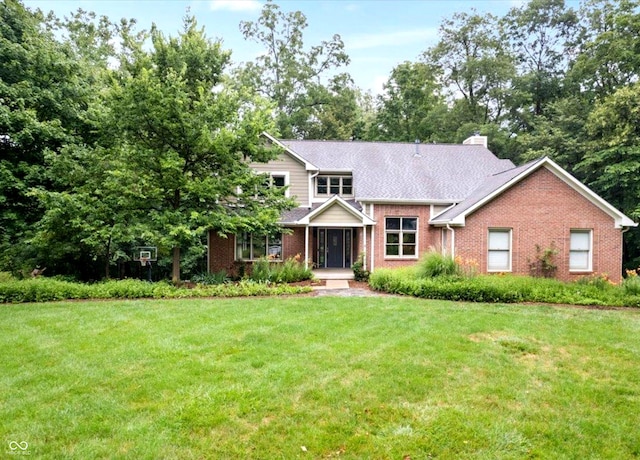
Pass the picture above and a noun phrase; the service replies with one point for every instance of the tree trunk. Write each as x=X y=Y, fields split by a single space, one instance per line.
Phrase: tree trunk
x=175 y=277
x=107 y=257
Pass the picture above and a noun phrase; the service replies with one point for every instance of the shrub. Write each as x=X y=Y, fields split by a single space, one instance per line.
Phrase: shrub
x=504 y=288
x=544 y=265
x=5 y=277
x=359 y=273
x=47 y=289
x=631 y=283
x=434 y=264
x=220 y=277
x=289 y=271
x=260 y=270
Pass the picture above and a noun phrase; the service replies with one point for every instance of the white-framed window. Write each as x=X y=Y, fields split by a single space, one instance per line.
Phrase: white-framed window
x=253 y=247
x=499 y=250
x=279 y=180
x=401 y=237
x=334 y=185
x=580 y=250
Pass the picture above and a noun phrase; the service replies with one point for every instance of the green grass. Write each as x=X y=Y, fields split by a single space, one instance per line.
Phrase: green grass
x=318 y=377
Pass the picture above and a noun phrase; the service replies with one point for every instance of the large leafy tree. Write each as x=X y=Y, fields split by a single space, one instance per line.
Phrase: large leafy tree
x=189 y=137
x=476 y=65
x=411 y=106
x=612 y=164
x=608 y=47
x=539 y=34
x=295 y=78
x=43 y=101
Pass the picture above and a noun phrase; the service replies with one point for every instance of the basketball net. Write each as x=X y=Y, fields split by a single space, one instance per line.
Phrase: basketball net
x=143 y=261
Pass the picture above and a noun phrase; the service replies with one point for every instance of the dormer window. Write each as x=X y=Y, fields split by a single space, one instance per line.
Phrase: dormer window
x=334 y=185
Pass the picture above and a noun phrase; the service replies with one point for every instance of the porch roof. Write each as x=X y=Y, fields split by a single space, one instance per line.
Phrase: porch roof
x=306 y=215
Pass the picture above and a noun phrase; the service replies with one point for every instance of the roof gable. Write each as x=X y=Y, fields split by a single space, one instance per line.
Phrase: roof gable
x=308 y=166
x=352 y=214
x=499 y=183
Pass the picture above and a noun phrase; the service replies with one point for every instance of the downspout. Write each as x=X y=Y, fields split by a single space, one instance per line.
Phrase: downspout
x=373 y=239
x=453 y=241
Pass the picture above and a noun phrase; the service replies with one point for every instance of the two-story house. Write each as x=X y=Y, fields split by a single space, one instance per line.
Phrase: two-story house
x=390 y=202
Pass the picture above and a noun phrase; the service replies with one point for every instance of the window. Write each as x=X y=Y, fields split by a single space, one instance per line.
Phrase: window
x=252 y=247
x=334 y=185
x=401 y=237
x=499 y=257
x=580 y=250
x=279 y=180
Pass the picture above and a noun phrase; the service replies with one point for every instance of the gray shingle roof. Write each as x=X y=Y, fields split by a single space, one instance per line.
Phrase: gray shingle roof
x=490 y=185
x=392 y=171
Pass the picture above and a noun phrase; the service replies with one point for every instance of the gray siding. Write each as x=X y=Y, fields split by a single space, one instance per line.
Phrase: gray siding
x=298 y=176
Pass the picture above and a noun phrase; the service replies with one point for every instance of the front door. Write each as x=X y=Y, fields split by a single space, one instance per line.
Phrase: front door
x=335 y=248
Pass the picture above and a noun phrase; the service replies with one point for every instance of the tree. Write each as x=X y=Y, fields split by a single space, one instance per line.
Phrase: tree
x=411 y=106
x=290 y=75
x=476 y=64
x=43 y=100
x=190 y=137
x=608 y=47
x=539 y=33
x=612 y=164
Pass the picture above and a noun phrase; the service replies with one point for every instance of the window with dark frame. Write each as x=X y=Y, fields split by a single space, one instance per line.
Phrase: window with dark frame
x=252 y=247
x=401 y=237
x=334 y=185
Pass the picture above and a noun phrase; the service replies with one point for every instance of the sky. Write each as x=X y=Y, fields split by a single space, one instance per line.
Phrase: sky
x=377 y=34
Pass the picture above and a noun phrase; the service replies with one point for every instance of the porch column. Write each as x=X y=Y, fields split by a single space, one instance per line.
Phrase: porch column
x=306 y=247
x=373 y=248
x=364 y=246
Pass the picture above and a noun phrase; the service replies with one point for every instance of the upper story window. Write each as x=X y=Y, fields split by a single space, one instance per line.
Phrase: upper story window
x=278 y=180
x=334 y=185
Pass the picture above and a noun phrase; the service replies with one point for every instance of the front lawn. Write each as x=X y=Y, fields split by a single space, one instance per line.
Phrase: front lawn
x=318 y=377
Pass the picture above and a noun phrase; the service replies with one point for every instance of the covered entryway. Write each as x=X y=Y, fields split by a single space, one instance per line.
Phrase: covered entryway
x=332 y=233
x=334 y=247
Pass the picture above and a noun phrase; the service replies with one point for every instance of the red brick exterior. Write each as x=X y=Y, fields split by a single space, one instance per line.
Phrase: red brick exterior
x=542 y=210
x=222 y=251
x=427 y=237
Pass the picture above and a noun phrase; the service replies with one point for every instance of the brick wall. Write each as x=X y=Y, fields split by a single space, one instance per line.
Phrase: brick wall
x=222 y=250
x=427 y=236
x=542 y=209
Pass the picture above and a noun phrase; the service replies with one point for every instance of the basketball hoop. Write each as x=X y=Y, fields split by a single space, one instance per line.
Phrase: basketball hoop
x=143 y=261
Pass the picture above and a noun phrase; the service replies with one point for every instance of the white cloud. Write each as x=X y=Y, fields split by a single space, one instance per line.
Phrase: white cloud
x=236 y=5
x=399 y=38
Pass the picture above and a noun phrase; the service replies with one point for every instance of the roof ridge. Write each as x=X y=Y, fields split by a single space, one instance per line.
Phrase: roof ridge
x=345 y=141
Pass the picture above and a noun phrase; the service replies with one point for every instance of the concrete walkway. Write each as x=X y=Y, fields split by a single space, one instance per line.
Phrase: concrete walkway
x=340 y=288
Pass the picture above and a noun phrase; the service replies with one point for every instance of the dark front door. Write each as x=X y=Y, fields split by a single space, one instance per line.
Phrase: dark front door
x=335 y=248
